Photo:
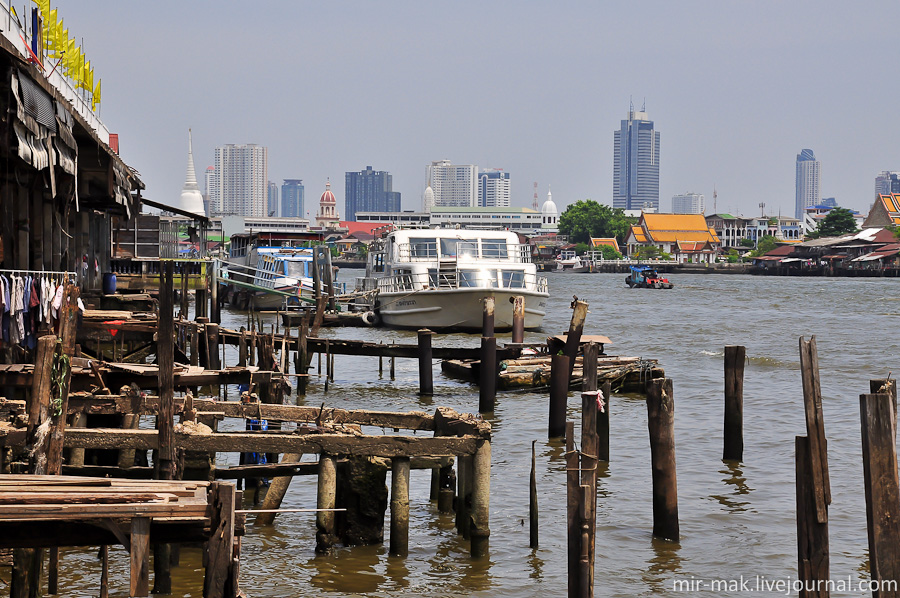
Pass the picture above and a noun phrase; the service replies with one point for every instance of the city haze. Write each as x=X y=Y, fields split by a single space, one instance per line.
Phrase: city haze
x=736 y=90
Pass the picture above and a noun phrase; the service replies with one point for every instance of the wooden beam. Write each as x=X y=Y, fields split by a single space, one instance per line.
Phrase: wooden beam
x=370 y=446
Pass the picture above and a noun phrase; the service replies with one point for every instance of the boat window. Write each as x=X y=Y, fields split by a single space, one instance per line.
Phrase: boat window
x=423 y=247
x=459 y=248
x=433 y=277
x=404 y=279
x=513 y=279
x=378 y=262
x=295 y=269
x=468 y=278
x=494 y=249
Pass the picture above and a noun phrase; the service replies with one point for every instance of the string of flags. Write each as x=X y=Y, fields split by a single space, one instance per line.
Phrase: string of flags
x=57 y=45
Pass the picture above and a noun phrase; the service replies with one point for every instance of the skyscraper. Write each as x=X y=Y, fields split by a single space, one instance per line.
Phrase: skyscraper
x=493 y=188
x=292 y=199
x=807 y=182
x=240 y=180
x=272 y=199
x=454 y=186
x=688 y=203
x=887 y=183
x=636 y=163
x=369 y=191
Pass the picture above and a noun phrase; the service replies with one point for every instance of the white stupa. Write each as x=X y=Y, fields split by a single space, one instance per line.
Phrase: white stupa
x=549 y=213
x=191 y=198
x=428 y=199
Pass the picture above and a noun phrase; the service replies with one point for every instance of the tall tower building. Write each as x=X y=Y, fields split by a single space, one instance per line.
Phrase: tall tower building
x=272 y=199
x=241 y=178
x=636 y=163
x=369 y=191
x=887 y=183
x=328 y=215
x=688 y=203
x=292 y=199
x=210 y=178
x=191 y=198
x=493 y=188
x=807 y=182
x=453 y=185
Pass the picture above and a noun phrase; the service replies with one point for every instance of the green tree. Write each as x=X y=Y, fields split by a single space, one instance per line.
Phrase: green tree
x=746 y=243
x=581 y=248
x=838 y=221
x=608 y=252
x=651 y=252
x=765 y=245
x=586 y=218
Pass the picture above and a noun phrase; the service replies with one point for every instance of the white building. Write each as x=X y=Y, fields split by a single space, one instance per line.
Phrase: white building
x=493 y=188
x=807 y=182
x=453 y=185
x=549 y=214
x=688 y=203
x=240 y=180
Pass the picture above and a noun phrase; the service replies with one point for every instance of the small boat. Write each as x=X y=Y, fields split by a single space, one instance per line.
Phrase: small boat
x=438 y=278
x=569 y=262
x=646 y=277
x=273 y=278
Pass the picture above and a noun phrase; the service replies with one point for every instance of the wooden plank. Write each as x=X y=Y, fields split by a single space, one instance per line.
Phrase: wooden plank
x=140 y=556
x=812 y=536
x=375 y=446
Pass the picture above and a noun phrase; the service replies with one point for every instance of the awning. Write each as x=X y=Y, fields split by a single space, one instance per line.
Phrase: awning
x=792 y=259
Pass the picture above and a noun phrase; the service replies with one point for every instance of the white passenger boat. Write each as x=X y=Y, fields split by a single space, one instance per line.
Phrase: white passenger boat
x=273 y=277
x=438 y=278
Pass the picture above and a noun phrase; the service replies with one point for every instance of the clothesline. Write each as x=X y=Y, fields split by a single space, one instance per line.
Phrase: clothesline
x=57 y=272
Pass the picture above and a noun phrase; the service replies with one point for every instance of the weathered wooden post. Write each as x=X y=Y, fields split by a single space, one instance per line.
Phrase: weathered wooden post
x=277 y=489
x=734 y=403
x=463 y=493
x=195 y=345
x=326 y=536
x=214 y=311
x=533 y=502
x=889 y=386
x=426 y=374
x=487 y=375
x=212 y=333
x=518 y=322
x=812 y=536
x=882 y=490
x=589 y=367
x=392 y=368
x=480 y=530
x=220 y=579
x=573 y=509
x=815 y=426
x=591 y=402
x=165 y=421
x=140 y=556
x=399 y=545
x=661 y=423
x=573 y=334
x=303 y=356
x=487 y=318
x=559 y=390
x=447 y=491
x=242 y=348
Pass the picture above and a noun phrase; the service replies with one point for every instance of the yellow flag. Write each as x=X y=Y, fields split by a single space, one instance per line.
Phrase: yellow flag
x=96 y=97
x=87 y=77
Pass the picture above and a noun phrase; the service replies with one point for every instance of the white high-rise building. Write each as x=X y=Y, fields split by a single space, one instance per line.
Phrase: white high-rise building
x=493 y=188
x=240 y=180
x=453 y=186
x=807 y=182
x=688 y=203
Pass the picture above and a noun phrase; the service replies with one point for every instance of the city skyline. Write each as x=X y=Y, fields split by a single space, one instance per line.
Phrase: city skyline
x=735 y=104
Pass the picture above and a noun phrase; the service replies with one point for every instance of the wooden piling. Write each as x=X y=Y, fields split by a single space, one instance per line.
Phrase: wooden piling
x=426 y=373
x=399 y=543
x=195 y=345
x=487 y=317
x=326 y=536
x=277 y=489
x=533 y=502
x=38 y=403
x=214 y=308
x=219 y=579
x=518 y=322
x=589 y=448
x=573 y=508
x=392 y=368
x=447 y=491
x=559 y=391
x=589 y=367
x=463 y=494
x=661 y=423
x=812 y=536
x=242 y=349
x=480 y=530
x=140 y=556
x=815 y=425
x=573 y=334
x=67 y=326
x=104 y=571
x=734 y=403
x=212 y=333
x=487 y=386
x=882 y=490
x=889 y=386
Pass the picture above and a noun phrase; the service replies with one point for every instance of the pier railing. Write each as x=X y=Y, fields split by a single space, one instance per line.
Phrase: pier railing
x=463 y=278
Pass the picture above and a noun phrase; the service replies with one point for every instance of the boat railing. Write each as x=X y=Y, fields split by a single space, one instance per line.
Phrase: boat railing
x=427 y=251
x=457 y=279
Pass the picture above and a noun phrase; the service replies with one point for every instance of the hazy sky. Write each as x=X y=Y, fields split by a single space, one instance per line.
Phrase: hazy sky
x=736 y=90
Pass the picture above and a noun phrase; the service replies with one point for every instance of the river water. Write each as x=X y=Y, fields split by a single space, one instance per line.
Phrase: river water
x=736 y=521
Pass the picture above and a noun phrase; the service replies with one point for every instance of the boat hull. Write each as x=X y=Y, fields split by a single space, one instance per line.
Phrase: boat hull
x=457 y=309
